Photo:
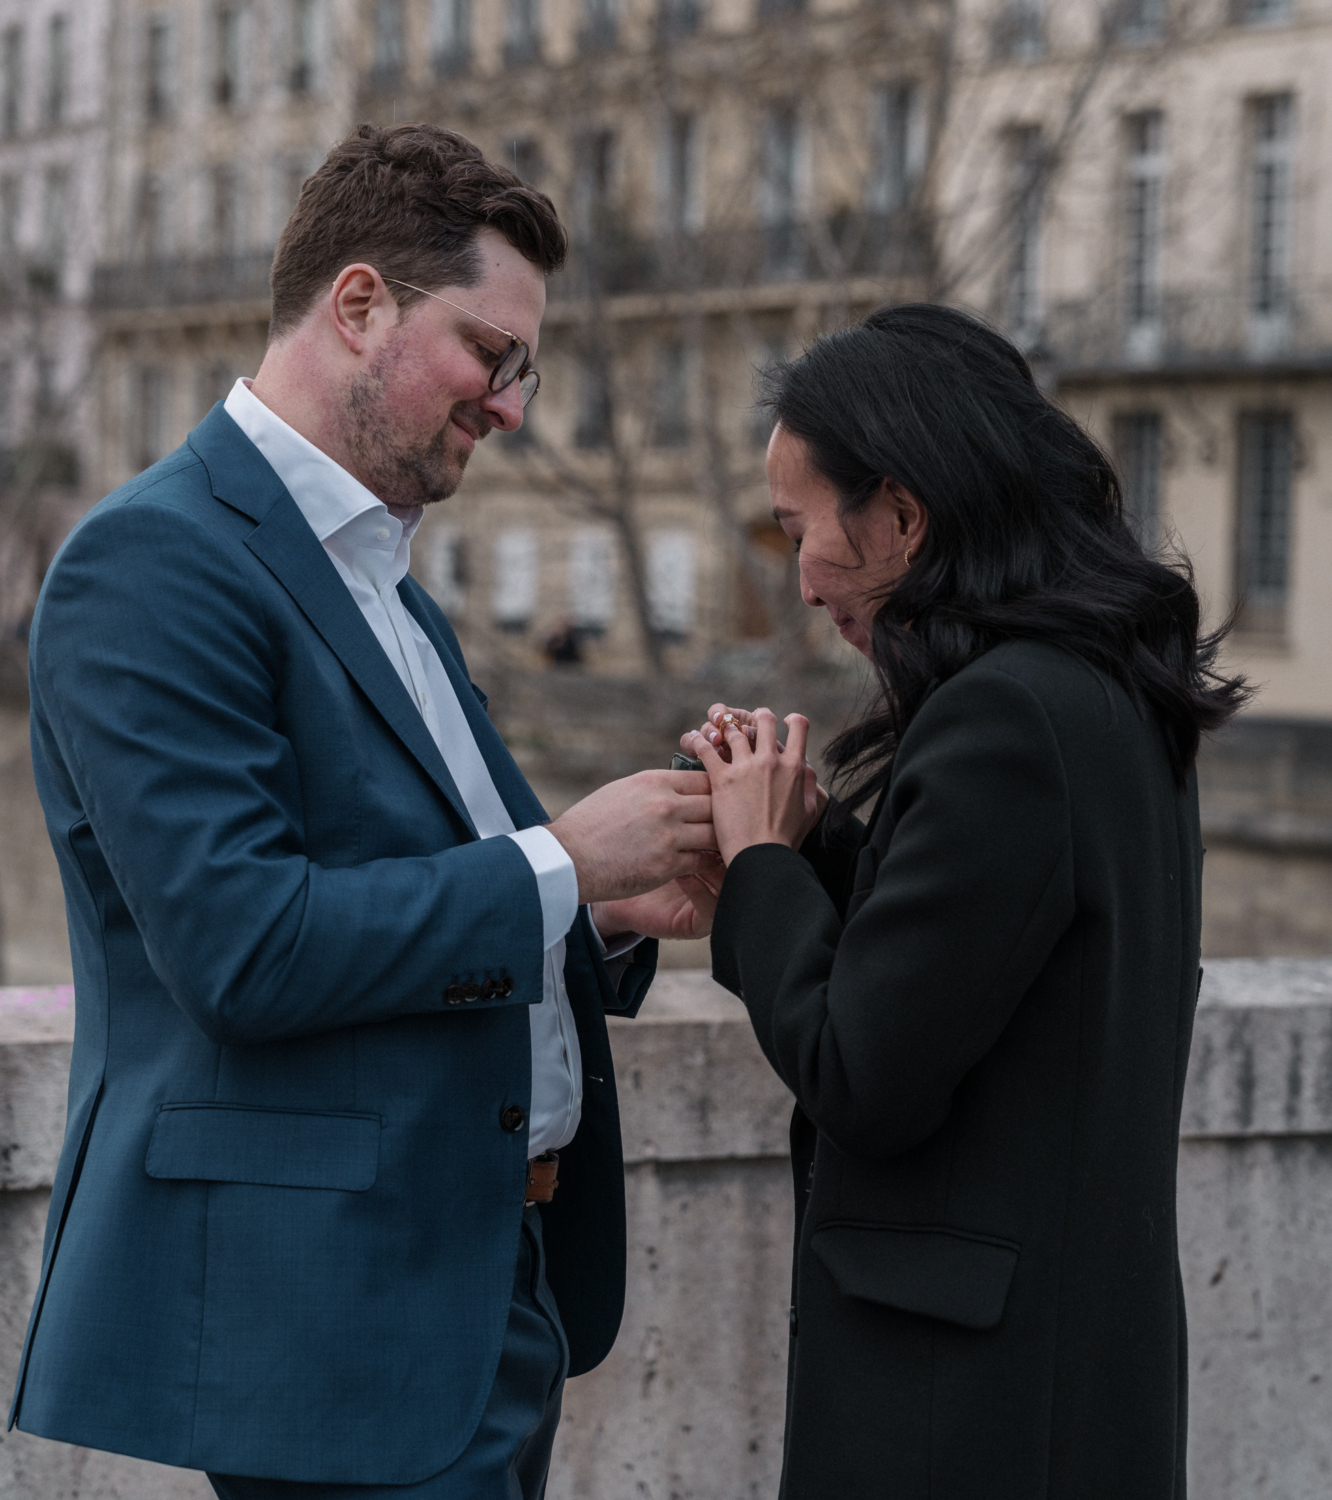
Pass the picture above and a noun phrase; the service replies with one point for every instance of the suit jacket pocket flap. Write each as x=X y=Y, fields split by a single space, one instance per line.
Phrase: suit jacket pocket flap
x=267 y=1147
x=939 y=1273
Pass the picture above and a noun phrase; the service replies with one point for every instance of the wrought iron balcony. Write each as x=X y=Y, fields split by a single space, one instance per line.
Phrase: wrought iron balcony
x=1195 y=330
x=183 y=281
x=608 y=259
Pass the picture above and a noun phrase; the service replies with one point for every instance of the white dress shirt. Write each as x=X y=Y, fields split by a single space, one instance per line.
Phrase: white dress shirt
x=371 y=550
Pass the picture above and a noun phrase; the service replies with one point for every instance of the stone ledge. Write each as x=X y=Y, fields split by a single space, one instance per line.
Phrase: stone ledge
x=694 y=1086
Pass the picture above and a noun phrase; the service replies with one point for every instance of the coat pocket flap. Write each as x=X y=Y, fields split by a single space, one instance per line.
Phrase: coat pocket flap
x=266 y=1147
x=939 y=1273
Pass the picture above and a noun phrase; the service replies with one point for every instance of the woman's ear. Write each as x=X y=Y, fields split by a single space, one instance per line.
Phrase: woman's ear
x=910 y=519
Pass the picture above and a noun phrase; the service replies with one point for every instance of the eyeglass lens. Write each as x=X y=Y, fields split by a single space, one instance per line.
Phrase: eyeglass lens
x=513 y=367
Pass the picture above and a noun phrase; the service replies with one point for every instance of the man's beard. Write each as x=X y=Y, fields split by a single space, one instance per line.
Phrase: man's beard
x=404 y=473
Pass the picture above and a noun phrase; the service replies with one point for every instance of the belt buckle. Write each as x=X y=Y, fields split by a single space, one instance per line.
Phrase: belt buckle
x=542 y=1178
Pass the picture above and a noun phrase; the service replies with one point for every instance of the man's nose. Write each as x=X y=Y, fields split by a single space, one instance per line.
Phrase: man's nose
x=504 y=408
x=811 y=598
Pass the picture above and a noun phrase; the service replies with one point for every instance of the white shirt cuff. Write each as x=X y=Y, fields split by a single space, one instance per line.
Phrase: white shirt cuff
x=625 y=943
x=556 y=878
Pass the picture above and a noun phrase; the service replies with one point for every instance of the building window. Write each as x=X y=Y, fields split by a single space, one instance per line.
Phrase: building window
x=897 y=143
x=227 y=58
x=1140 y=22
x=1144 y=222
x=779 y=191
x=600 y=26
x=1262 y=551
x=679 y=17
x=55 y=216
x=1027 y=167
x=1019 y=30
x=151 y=424
x=591 y=580
x=771 y=354
x=224 y=210
x=389 y=44
x=157 y=69
x=149 y=233
x=11 y=106
x=594 y=176
x=1273 y=137
x=513 y=602
x=289 y=177
x=305 y=24
x=446 y=574
x=682 y=177
x=1138 y=448
x=526 y=160
x=214 y=383
x=7 y=424
x=10 y=204
x=57 y=70
x=1260 y=12
x=451 y=36
x=670 y=583
x=670 y=407
x=522 y=36
x=593 y=426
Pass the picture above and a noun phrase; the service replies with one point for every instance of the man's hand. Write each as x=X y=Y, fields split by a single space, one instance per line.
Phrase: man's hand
x=681 y=908
x=632 y=836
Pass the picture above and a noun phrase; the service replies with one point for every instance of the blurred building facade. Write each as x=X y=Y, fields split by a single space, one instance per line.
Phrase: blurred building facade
x=1138 y=191
x=1134 y=189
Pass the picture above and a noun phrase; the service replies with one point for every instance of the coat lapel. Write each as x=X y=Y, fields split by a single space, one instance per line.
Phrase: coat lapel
x=284 y=543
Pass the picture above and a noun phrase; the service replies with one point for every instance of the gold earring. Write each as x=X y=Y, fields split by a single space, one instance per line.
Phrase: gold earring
x=908 y=557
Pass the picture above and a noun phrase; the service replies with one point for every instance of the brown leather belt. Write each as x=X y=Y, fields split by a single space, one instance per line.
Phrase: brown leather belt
x=541 y=1178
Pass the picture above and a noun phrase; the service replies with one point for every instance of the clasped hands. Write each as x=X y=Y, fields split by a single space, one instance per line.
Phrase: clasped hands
x=651 y=850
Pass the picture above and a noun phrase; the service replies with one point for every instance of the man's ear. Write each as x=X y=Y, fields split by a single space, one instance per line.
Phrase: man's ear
x=359 y=301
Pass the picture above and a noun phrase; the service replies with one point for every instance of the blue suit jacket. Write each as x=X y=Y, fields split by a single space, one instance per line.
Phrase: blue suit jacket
x=283 y=1231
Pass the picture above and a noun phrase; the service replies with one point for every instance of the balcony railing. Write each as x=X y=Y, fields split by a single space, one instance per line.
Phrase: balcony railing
x=1196 y=329
x=183 y=281
x=608 y=260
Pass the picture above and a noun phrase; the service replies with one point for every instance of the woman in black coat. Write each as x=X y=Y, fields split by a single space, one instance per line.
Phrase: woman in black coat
x=982 y=1001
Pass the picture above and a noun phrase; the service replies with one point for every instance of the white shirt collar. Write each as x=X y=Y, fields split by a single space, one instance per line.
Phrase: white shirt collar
x=325 y=493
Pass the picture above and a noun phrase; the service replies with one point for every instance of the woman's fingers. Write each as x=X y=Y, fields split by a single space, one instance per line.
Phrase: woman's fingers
x=765 y=722
x=714 y=729
x=703 y=749
x=797 y=735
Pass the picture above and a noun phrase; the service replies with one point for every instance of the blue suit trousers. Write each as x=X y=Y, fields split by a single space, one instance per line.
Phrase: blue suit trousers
x=509 y=1456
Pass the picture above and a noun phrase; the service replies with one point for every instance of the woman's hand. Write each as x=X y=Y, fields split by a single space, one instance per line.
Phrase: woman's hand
x=766 y=793
x=710 y=731
x=682 y=908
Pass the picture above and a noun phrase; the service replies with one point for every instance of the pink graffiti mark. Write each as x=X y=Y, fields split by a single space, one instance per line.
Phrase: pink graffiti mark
x=44 y=1000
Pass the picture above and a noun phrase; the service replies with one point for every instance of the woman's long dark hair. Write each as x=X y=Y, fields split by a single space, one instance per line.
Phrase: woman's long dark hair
x=1026 y=539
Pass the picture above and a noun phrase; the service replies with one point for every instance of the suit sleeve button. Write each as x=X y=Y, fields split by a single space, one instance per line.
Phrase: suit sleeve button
x=490 y=989
x=471 y=991
x=513 y=1118
x=506 y=988
x=454 y=994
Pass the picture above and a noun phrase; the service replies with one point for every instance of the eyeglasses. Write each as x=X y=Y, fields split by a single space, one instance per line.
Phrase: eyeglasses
x=512 y=364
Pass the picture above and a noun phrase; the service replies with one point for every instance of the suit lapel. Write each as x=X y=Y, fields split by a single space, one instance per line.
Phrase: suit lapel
x=284 y=543
x=510 y=783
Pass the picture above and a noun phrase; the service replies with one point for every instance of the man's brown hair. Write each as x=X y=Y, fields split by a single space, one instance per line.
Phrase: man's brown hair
x=408 y=200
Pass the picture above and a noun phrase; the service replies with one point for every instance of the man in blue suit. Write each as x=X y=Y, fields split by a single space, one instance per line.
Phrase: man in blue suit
x=340 y=989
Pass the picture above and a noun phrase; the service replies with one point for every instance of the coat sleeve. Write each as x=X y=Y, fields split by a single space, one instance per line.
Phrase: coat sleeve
x=872 y=1022
x=154 y=687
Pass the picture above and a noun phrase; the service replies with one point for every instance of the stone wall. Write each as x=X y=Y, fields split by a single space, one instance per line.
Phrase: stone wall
x=689 y=1402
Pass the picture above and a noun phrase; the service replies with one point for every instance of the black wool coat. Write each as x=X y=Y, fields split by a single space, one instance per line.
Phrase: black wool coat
x=983 y=1007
